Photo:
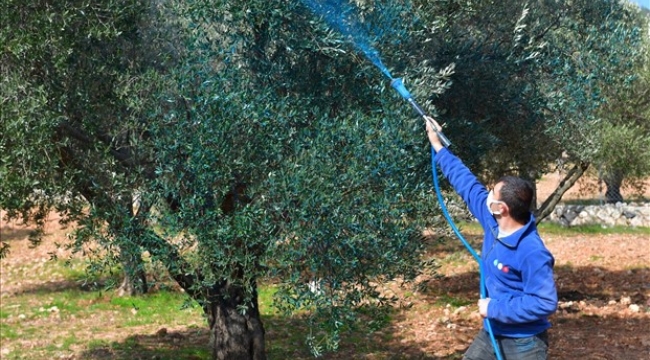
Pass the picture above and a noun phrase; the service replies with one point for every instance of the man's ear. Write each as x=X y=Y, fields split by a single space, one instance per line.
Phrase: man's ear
x=504 y=208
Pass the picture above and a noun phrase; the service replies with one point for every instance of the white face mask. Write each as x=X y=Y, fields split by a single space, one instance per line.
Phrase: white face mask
x=490 y=201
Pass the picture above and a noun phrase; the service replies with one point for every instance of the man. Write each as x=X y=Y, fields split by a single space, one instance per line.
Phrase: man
x=517 y=267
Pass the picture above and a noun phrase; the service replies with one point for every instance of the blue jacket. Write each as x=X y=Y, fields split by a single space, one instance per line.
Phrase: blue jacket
x=518 y=269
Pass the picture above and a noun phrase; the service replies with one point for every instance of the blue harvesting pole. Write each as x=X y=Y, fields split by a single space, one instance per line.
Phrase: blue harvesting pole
x=398 y=85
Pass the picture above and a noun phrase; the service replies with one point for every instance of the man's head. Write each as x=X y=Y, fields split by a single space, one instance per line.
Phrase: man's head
x=516 y=195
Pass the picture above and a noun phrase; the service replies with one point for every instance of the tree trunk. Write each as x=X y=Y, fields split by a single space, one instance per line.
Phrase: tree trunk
x=129 y=239
x=613 y=182
x=569 y=180
x=135 y=278
x=235 y=334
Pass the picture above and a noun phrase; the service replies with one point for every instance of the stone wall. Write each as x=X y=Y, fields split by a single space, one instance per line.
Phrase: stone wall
x=632 y=214
x=622 y=214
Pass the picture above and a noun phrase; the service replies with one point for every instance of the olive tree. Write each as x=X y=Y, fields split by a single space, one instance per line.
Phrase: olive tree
x=533 y=82
x=623 y=154
x=593 y=50
x=68 y=135
x=278 y=158
x=226 y=144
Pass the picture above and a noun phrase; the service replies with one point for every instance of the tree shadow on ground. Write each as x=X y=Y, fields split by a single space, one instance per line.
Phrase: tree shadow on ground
x=285 y=339
x=14 y=234
x=57 y=286
x=573 y=284
x=603 y=314
x=16 y=230
x=163 y=345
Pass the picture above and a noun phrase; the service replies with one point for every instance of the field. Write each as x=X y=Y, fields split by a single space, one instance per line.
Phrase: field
x=49 y=311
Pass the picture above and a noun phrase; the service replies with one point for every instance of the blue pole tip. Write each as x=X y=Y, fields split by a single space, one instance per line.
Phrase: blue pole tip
x=398 y=85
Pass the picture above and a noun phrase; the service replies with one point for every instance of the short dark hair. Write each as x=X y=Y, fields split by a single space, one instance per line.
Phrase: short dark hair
x=517 y=193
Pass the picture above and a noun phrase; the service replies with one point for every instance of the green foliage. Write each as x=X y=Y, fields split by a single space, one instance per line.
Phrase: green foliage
x=624 y=147
x=621 y=143
x=305 y=181
x=595 y=51
x=494 y=105
x=67 y=132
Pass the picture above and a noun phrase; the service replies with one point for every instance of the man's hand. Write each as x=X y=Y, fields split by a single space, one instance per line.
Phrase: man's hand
x=432 y=133
x=483 y=307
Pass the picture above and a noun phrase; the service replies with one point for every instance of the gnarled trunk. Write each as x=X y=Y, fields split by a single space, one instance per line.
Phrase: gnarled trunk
x=135 y=278
x=129 y=238
x=613 y=180
x=235 y=334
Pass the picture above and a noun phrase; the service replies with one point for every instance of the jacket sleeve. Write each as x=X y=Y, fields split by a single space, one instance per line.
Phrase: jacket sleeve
x=465 y=183
x=537 y=300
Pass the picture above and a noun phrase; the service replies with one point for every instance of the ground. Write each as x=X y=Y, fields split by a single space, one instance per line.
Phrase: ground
x=604 y=289
x=603 y=284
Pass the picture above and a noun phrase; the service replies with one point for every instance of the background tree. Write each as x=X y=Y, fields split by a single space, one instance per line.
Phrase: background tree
x=493 y=108
x=624 y=151
x=531 y=82
x=68 y=135
x=592 y=50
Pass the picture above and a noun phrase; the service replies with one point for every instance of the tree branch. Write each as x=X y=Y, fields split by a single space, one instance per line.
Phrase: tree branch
x=569 y=180
x=124 y=157
x=179 y=269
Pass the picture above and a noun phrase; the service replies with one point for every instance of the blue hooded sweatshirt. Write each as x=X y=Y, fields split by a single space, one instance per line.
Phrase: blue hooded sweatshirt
x=518 y=269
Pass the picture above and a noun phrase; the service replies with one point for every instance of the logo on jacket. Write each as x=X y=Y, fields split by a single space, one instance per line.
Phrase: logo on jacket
x=501 y=267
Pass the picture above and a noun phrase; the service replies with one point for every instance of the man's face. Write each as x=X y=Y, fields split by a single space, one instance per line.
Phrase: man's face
x=495 y=205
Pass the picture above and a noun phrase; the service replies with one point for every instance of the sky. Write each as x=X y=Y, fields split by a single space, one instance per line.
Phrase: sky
x=645 y=3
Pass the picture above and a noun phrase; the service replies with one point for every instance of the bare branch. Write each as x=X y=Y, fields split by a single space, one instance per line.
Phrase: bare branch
x=569 y=180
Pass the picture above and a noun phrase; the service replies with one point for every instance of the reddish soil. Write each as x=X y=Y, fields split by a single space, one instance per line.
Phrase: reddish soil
x=603 y=283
